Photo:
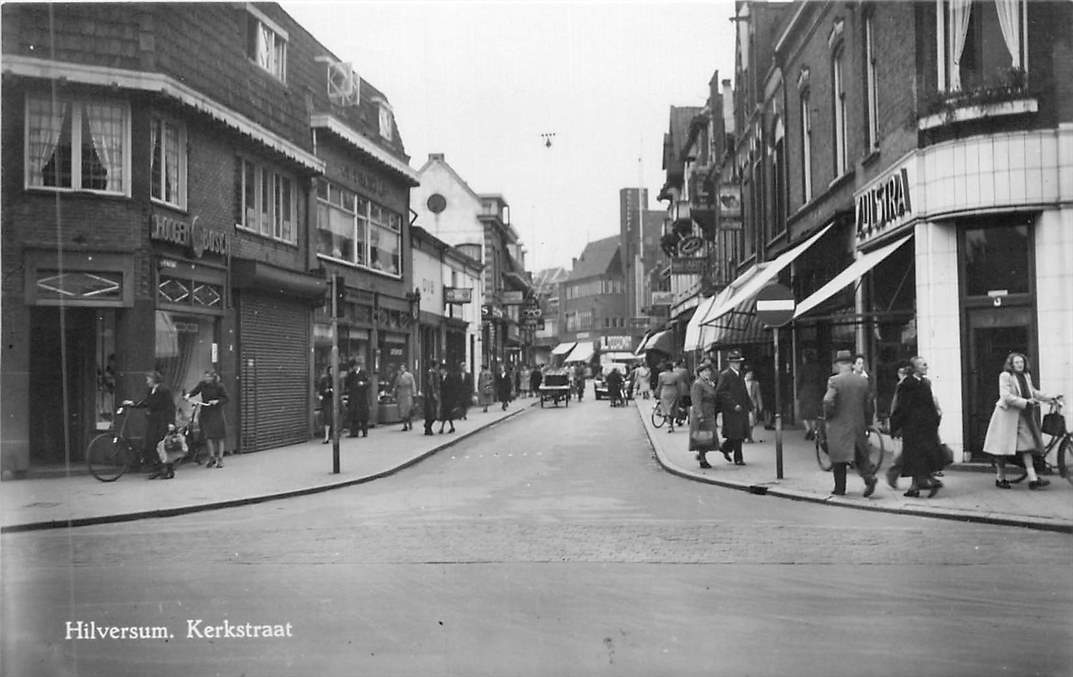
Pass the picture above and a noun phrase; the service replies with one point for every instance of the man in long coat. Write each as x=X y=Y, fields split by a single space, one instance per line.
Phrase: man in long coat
x=357 y=390
x=847 y=406
x=732 y=397
x=450 y=393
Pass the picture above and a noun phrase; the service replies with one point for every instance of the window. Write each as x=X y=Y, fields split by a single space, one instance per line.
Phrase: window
x=806 y=145
x=167 y=165
x=354 y=230
x=77 y=144
x=838 y=90
x=265 y=202
x=387 y=119
x=266 y=44
x=778 y=183
x=872 y=93
x=982 y=43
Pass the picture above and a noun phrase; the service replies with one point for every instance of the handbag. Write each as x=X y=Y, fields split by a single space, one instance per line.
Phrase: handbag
x=1054 y=424
x=701 y=439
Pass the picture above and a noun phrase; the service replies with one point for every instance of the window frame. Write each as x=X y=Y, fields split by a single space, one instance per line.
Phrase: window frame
x=944 y=59
x=181 y=189
x=871 y=84
x=277 y=51
x=77 y=112
x=806 y=145
x=839 y=112
x=264 y=176
x=361 y=213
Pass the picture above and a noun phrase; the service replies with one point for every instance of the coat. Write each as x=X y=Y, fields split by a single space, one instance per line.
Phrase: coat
x=503 y=386
x=465 y=395
x=160 y=413
x=1009 y=432
x=702 y=414
x=211 y=418
x=324 y=394
x=535 y=379
x=730 y=393
x=357 y=390
x=486 y=388
x=667 y=391
x=847 y=405
x=432 y=395
x=450 y=396
x=404 y=394
x=916 y=419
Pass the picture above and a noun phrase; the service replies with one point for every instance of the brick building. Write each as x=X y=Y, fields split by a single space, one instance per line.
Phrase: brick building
x=189 y=175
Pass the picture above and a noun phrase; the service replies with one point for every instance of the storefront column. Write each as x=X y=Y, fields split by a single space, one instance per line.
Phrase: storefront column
x=1054 y=280
x=939 y=323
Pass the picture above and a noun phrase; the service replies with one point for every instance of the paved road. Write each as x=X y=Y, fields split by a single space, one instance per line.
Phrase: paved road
x=551 y=544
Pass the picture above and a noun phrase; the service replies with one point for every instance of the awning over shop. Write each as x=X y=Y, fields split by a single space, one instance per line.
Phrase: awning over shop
x=563 y=348
x=862 y=265
x=641 y=346
x=662 y=342
x=748 y=291
x=700 y=336
x=583 y=352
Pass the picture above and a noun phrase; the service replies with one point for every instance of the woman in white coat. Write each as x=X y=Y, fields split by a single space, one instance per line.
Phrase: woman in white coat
x=1014 y=426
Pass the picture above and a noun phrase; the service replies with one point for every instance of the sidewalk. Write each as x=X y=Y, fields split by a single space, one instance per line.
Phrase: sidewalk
x=968 y=495
x=80 y=499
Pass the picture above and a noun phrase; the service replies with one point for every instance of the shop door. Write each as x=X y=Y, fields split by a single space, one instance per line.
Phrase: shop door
x=58 y=423
x=993 y=333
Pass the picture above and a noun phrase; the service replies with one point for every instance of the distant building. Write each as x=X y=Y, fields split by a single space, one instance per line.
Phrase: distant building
x=593 y=301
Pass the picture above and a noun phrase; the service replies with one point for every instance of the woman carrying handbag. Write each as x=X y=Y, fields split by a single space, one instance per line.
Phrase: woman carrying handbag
x=702 y=429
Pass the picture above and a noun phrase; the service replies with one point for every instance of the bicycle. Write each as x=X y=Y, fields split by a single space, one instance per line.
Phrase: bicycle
x=1062 y=441
x=659 y=417
x=877 y=449
x=112 y=454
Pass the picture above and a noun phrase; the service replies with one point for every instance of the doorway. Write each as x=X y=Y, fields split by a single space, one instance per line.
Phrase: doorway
x=993 y=333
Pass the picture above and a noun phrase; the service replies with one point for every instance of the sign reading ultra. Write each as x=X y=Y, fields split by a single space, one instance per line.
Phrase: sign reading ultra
x=884 y=205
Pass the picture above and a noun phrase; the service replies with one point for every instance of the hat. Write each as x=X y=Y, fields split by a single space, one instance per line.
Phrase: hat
x=734 y=356
x=843 y=356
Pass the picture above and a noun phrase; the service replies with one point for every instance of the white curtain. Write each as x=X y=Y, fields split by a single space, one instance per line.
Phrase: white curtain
x=46 y=124
x=960 y=11
x=264 y=47
x=1009 y=19
x=106 y=128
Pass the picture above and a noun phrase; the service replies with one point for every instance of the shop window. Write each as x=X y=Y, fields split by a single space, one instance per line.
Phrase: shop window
x=74 y=144
x=266 y=44
x=72 y=286
x=983 y=43
x=181 y=291
x=167 y=164
x=184 y=348
x=357 y=231
x=997 y=259
x=265 y=202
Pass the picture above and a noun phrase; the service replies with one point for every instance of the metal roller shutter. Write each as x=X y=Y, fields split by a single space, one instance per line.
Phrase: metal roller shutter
x=274 y=345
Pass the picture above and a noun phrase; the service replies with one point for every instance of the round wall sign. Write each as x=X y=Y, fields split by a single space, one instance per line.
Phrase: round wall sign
x=436 y=203
x=690 y=245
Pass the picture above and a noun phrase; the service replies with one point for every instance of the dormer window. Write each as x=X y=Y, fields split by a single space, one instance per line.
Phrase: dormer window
x=266 y=43
x=387 y=121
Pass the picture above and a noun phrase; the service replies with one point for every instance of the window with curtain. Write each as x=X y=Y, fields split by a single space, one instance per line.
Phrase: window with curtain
x=984 y=43
x=357 y=231
x=838 y=91
x=77 y=144
x=265 y=202
x=871 y=88
x=167 y=163
x=806 y=146
x=266 y=45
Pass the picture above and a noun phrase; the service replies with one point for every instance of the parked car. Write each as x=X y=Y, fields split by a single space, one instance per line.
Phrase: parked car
x=609 y=361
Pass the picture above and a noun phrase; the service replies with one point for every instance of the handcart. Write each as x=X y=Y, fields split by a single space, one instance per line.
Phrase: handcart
x=555 y=387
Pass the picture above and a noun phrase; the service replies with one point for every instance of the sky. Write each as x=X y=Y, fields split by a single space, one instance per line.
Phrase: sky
x=482 y=81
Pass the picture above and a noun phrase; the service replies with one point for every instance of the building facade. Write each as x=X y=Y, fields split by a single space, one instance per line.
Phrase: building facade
x=593 y=301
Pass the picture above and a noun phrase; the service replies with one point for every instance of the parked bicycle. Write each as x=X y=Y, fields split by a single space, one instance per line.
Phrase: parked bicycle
x=1060 y=442
x=112 y=454
x=659 y=417
x=877 y=448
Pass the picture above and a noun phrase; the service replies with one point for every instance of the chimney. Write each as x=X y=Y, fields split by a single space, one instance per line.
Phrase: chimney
x=436 y=156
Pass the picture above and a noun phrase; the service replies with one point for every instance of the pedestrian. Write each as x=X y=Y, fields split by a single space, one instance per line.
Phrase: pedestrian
x=486 y=387
x=524 y=375
x=211 y=417
x=684 y=385
x=465 y=400
x=1014 y=428
x=702 y=429
x=450 y=391
x=325 y=392
x=503 y=382
x=536 y=377
x=752 y=386
x=810 y=380
x=159 y=414
x=357 y=390
x=915 y=418
x=667 y=392
x=404 y=396
x=642 y=381
x=848 y=408
x=431 y=388
x=615 y=383
x=579 y=380
x=734 y=405
x=516 y=381
x=895 y=469
x=170 y=449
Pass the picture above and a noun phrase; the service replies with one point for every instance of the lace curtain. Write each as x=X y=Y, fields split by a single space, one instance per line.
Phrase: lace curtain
x=1009 y=19
x=46 y=122
x=106 y=129
x=960 y=12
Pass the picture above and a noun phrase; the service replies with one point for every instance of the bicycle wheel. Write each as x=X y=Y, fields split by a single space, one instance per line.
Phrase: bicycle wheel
x=822 y=457
x=108 y=457
x=657 y=416
x=1065 y=449
x=877 y=450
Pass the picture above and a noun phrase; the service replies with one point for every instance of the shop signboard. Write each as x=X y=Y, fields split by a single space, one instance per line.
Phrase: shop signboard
x=886 y=204
x=620 y=343
x=512 y=298
x=662 y=298
x=730 y=206
x=457 y=294
x=688 y=265
x=199 y=238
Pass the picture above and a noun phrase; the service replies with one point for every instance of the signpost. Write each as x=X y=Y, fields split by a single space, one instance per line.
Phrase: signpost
x=775 y=307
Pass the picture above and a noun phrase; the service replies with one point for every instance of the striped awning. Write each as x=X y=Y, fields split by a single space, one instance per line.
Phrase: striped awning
x=864 y=263
x=582 y=353
x=563 y=348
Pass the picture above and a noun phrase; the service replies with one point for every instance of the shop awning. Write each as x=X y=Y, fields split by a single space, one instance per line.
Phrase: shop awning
x=641 y=346
x=662 y=342
x=563 y=348
x=700 y=336
x=862 y=265
x=583 y=352
x=744 y=296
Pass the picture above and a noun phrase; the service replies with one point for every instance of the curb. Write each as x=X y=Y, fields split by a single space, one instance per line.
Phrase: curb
x=1041 y=523
x=250 y=500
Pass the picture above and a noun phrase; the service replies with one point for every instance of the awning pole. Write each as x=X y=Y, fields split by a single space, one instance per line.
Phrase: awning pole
x=778 y=409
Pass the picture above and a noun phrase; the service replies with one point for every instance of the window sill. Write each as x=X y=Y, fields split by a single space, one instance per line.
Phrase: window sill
x=968 y=112
x=77 y=191
x=359 y=266
x=870 y=158
x=839 y=180
x=169 y=205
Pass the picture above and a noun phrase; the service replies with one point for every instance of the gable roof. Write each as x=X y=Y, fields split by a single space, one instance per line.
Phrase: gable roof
x=596 y=259
x=438 y=158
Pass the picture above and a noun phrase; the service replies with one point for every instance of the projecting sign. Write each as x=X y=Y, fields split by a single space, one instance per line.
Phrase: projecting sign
x=688 y=265
x=662 y=298
x=457 y=294
x=512 y=298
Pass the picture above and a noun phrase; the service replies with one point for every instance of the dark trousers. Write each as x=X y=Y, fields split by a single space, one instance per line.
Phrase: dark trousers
x=734 y=446
x=358 y=421
x=861 y=461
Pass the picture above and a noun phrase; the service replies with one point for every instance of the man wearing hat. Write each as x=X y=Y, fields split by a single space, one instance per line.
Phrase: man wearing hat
x=848 y=408
x=733 y=400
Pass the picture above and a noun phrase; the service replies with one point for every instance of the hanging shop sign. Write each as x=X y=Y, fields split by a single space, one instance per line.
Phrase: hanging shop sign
x=730 y=206
x=617 y=343
x=489 y=312
x=198 y=237
x=457 y=294
x=662 y=298
x=688 y=265
x=885 y=205
x=690 y=245
x=512 y=298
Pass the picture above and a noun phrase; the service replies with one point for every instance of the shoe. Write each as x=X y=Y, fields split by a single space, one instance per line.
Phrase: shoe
x=934 y=489
x=892 y=479
x=739 y=462
x=1002 y=484
x=323 y=442
x=836 y=492
x=168 y=473
x=704 y=464
x=365 y=433
x=1038 y=484
x=212 y=461
x=153 y=475
x=670 y=430
x=870 y=486
x=912 y=493
x=220 y=463
x=451 y=430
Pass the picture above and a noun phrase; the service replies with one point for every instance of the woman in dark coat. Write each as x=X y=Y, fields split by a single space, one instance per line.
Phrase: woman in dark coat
x=160 y=413
x=325 y=393
x=211 y=418
x=431 y=388
x=503 y=383
x=450 y=394
x=702 y=414
x=916 y=420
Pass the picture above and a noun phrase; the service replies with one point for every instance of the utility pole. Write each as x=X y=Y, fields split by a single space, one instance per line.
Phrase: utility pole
x=336 y=281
